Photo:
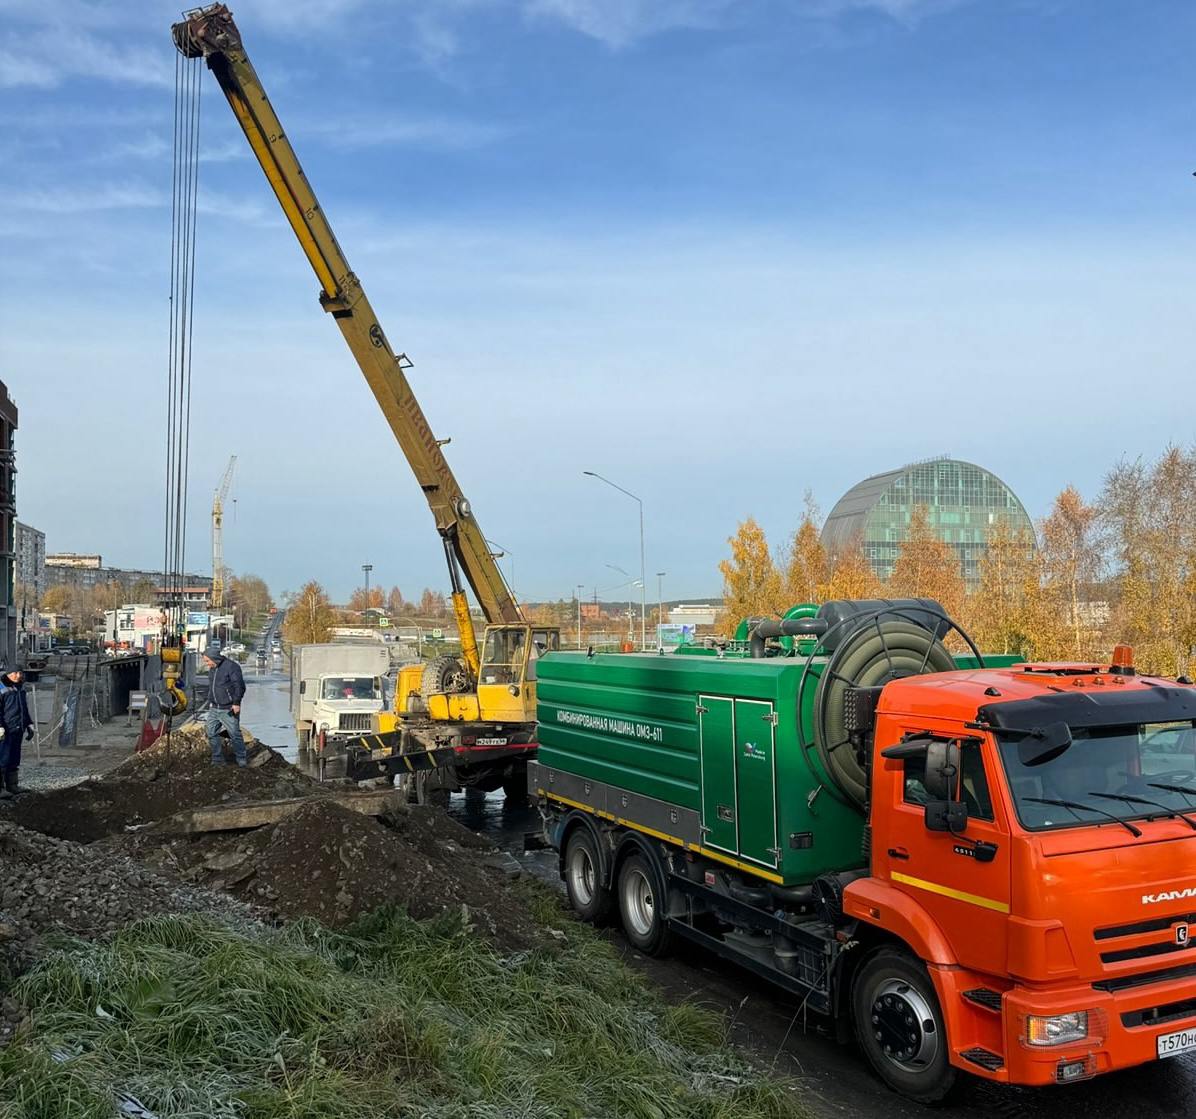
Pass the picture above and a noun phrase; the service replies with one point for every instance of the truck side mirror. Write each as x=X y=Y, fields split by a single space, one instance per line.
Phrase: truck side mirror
x=946 y=815
x=942 y=769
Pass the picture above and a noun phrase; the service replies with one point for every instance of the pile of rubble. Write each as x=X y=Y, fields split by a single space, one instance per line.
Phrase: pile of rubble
x=327 y=861
x=164 y=831
x=172 y=775
x=52 y=886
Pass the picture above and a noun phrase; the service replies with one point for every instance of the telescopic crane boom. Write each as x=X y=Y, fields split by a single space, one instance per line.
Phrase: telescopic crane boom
x=210 y=33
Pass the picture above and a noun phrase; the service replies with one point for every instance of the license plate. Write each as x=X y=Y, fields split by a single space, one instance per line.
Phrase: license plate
x=490 y=741
x=1182 y=1041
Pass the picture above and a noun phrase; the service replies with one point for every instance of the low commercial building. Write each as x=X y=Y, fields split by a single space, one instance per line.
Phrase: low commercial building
x=701 y=614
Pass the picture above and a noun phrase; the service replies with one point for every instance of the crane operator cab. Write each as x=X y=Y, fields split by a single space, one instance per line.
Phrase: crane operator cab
x=507 y=676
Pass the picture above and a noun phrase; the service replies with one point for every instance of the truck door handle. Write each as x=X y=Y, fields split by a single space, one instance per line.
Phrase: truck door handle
x=898 y=853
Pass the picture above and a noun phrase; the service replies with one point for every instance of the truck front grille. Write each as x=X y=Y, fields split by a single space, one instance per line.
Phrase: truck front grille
x=359 y=722
x=1159 y=1015
x=1145 y=978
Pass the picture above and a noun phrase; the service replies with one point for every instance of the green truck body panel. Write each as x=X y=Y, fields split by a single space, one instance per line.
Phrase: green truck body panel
x=716 y=735
x=698 y=732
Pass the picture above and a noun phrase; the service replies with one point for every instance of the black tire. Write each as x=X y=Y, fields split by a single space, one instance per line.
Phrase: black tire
x=588 y=894
x=899 y=1025
x=444 y=674
x=432 y=797
x=641 y=906
x=514 y=787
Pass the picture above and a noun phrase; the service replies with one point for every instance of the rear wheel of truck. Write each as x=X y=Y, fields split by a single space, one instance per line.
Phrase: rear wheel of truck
x=641 y=906
x=900 y=1027
x=514 y=787
x=590 y=899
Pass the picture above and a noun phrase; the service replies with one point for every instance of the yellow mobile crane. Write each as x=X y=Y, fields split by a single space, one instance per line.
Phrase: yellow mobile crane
x=482 y=708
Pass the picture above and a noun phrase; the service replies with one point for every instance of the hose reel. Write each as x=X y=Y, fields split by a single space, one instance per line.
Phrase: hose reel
x=865 y=646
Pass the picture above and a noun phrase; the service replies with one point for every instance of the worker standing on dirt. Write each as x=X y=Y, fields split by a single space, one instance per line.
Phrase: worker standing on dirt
x=226 y=689
x=16 y=725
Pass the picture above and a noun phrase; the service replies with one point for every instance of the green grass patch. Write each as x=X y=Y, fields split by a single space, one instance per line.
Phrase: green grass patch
x=391 y=1018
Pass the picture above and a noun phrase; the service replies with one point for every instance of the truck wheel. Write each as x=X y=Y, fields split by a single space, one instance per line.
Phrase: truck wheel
x=432 y=797
x=641 y=906
x=514 y=787
x=590 y=898
x=900 y=1026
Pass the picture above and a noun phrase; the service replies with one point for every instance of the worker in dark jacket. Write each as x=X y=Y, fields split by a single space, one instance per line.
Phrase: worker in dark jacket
x=16 y=725
x=226 y=689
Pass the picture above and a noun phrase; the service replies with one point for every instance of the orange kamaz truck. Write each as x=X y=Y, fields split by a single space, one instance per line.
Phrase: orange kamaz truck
x=973 y=869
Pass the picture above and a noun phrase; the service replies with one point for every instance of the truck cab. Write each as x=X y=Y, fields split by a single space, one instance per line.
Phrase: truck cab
x=1033 y=844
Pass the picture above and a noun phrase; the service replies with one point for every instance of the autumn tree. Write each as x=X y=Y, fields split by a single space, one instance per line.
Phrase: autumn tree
x=807 y=568
x=752 y=586
x=395 y=603
x=56 y=600
x=927 y=567
x=1005 y=613
x=144 y=591
x=1071 y=556
x=248 y=596
x=362 y=600
x=432 y=604
x=309 y=617
x=1148 y=519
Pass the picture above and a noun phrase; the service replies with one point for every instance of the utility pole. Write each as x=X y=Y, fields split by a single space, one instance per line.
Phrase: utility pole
x=580 y=588
x=659 y=604
x=367 y=568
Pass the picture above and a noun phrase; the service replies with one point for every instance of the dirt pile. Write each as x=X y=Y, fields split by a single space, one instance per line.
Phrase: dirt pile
x=54 y=886
x=175 y=774
x=331 y=863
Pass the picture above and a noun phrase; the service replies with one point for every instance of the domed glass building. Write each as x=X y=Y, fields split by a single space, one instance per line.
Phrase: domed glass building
x=962 y=502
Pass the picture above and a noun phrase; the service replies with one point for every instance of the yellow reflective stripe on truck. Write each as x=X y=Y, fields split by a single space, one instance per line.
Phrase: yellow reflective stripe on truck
x=747 y=868
x=948 y=892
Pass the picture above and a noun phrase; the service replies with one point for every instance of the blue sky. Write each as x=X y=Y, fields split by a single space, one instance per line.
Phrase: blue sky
x=721 y=252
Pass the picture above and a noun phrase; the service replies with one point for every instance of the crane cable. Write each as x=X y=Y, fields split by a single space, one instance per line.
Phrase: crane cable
x=184 y=208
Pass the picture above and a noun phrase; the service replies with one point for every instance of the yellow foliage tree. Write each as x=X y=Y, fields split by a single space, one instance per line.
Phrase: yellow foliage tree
x=927 y=567
x=1149 y=517
x=851 y=576
x=752 y=586
x=374 y=600
x=310 y=617
x=1004 y=613
x=807 y=569
x=1071 y=557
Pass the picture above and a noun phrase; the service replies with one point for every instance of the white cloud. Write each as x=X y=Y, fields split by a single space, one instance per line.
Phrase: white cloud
x=620 y=22
x=81 y=200
x=396 y=131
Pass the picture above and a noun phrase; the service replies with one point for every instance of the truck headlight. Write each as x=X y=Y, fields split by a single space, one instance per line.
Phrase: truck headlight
x=1056 y=1029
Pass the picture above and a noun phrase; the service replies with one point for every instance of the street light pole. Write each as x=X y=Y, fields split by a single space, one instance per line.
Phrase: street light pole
x=580 y=588
x=367 y=568
x=643 y=578
x=659 y=603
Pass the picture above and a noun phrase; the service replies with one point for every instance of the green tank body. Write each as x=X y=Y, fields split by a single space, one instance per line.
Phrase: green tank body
x=712 y=741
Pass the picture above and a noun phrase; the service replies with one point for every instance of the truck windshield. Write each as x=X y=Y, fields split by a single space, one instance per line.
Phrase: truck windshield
x=1133 y=772
x=350 y=687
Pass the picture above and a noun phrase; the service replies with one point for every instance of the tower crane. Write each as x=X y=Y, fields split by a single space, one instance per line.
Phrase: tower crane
x=218 y=500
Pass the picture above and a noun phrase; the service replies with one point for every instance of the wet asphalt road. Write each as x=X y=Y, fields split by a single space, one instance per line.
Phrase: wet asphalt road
x=835 y=1078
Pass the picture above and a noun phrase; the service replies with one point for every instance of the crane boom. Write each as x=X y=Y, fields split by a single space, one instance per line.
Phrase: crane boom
x=218 y=500
x=211 y=34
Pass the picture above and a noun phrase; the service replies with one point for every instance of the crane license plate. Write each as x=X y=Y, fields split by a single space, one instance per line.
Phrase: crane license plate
x=1182 y=1041
x=490 y=741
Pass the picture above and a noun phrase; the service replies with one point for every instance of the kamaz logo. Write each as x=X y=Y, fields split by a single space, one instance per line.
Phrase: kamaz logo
x=1169 y=895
